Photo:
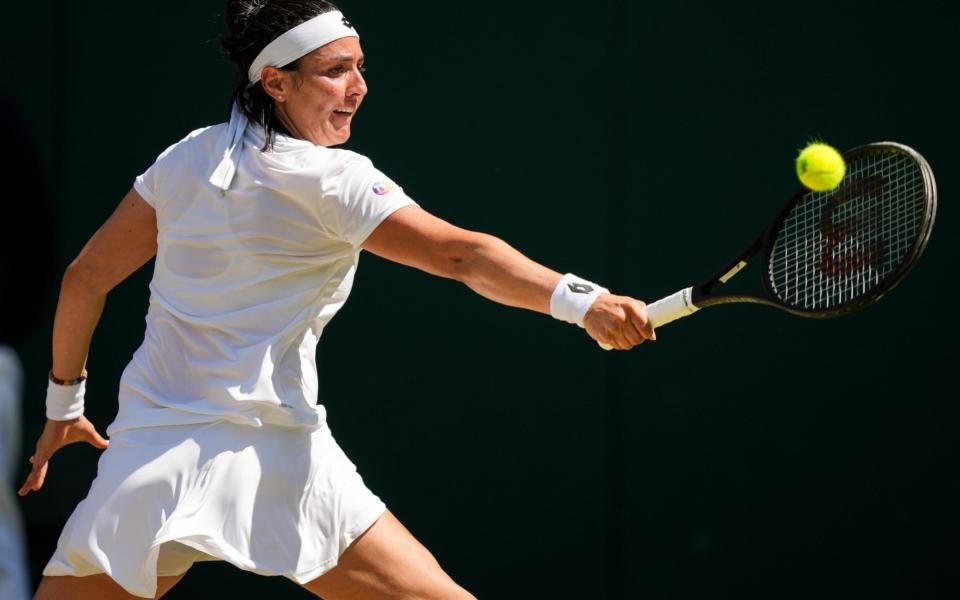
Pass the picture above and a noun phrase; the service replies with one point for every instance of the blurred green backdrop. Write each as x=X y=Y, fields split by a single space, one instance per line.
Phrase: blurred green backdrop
x=746 y=454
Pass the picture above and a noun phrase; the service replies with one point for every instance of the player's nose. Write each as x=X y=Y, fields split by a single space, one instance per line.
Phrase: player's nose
x=358 y=85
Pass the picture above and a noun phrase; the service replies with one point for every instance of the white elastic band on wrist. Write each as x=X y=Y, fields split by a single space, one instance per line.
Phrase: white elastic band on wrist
x=573 y=297
x=291 y=45
x=65 y=402
x=300 y=41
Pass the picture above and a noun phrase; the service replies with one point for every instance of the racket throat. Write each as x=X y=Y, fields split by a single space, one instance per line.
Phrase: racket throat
x=733 y=271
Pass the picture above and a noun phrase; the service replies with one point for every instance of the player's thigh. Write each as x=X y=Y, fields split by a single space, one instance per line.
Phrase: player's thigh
x=387 y=562
x=93 y=587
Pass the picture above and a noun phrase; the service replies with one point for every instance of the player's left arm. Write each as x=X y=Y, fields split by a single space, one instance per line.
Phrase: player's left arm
x=126 y=241
x=495 y=270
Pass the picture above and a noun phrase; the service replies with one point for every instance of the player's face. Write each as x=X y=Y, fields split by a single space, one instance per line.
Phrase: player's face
x=319 y=100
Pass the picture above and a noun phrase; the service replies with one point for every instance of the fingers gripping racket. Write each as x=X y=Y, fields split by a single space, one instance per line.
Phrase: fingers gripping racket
x=831 y=253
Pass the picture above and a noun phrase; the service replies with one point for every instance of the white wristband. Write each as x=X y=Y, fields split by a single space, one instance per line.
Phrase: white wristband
x=573 y=297
x=65 y=402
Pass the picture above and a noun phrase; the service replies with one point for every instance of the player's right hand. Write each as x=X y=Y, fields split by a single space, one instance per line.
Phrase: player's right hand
x=618 y=321
x=56 y=435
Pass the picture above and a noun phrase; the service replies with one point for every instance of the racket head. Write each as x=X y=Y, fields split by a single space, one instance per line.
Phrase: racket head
x=832 y=253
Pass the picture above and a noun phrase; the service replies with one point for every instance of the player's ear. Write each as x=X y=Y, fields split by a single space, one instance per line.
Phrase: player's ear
x=275 y=83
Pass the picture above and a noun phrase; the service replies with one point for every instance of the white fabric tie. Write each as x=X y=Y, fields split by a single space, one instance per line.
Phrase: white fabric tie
x=223 y=175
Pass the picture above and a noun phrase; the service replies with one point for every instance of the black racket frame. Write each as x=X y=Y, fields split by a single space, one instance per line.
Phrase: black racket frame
x=702 y=294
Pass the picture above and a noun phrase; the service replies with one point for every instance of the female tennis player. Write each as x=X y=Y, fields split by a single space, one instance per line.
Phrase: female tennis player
x=220 y=450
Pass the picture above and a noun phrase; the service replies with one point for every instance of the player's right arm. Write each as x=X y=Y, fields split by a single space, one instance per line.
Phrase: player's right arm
x=495 y=270
x=126 y=241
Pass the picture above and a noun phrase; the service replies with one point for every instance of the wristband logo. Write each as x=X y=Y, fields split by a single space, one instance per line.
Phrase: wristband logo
x=580 y=288
x=382 y=188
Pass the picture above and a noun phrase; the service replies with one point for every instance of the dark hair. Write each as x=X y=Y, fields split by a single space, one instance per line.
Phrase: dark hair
x=254 y=24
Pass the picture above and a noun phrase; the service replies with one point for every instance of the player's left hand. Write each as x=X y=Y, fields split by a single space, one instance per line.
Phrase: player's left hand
x=56 y=435
x=618 y=321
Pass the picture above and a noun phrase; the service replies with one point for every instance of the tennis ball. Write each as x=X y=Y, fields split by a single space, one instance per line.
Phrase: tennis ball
x=820 y=167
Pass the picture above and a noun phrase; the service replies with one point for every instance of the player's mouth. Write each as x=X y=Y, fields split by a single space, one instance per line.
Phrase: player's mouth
x=343 y=112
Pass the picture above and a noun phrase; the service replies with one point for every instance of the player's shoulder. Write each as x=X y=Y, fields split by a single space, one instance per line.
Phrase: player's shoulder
x=208 y=132
x=210 y=135
x=340 y=159
x=198 y=139
x=333 y=164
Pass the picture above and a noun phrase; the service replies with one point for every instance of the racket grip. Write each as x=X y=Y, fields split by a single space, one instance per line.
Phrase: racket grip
x=673 y=307
x=667 y=310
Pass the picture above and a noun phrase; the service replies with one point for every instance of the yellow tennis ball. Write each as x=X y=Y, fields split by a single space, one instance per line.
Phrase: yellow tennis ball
x=820 y=167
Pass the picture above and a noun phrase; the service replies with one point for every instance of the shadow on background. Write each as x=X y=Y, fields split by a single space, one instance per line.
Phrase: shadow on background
x=745 y=454
x=27 y=257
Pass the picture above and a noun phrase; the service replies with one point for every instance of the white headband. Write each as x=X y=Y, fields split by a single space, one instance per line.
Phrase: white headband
x=300 y=41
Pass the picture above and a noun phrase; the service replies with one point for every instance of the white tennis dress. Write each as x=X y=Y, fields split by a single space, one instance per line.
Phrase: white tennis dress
x=220 y=449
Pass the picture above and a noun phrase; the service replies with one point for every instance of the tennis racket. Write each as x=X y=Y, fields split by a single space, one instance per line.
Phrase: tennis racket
x=832 y=253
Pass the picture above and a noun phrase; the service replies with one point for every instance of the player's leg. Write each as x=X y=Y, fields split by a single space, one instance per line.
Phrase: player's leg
x=94 y=587
x=387 y=562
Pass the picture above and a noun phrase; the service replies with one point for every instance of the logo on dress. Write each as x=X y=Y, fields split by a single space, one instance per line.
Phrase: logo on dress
x=382 y=188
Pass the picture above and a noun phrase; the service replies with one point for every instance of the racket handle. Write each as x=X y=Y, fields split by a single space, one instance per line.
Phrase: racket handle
x=673 y=307
x=667 y=310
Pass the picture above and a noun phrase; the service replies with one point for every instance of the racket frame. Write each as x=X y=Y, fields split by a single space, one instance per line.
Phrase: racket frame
x=702 y=295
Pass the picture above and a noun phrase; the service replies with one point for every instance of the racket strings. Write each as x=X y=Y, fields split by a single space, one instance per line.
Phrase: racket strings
x=837 y=246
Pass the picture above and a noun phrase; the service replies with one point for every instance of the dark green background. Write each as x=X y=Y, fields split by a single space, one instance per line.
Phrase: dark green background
x=746 y=454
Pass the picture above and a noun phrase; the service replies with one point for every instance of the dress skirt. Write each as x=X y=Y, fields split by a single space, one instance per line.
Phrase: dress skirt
x=271 y=500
